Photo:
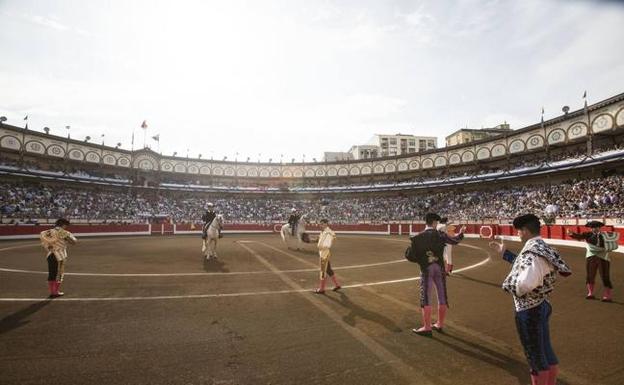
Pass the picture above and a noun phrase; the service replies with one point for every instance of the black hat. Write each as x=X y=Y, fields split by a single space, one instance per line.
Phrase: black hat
x=324 y=220
x=430 y=217
x=61 y=222
x=594 y=224
x=524 y=220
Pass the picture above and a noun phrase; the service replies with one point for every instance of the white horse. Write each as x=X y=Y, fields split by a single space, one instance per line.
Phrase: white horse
x=211 y=236
x=286 y=232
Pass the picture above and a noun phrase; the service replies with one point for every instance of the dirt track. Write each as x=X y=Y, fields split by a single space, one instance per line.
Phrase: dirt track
x=250 y=317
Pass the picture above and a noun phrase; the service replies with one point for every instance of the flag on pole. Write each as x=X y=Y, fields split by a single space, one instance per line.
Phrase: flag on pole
x=26 y=117
x=144 y=125
x=156 y=137
x=585 y=99
x=542 y=116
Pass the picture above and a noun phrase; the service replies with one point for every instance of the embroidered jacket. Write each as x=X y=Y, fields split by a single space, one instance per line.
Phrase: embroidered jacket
x=595 y=244
x=533 y=273
x=55 y=242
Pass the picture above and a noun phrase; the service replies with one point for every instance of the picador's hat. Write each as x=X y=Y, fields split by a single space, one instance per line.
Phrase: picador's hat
x=523 y=220
x=324 y=220
x=594 y=224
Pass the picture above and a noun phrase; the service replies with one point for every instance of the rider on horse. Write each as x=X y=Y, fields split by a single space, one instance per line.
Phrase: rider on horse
x=293 y=220
x=207 y=218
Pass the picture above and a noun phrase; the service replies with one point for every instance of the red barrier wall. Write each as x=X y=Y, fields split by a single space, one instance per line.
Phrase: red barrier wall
x=552 y=232
x=417 y=227
x=11 y=230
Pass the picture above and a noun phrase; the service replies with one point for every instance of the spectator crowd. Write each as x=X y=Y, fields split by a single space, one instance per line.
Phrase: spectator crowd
x=602 y=196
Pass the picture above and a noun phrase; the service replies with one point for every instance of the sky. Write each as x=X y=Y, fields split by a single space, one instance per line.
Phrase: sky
x=265 y=79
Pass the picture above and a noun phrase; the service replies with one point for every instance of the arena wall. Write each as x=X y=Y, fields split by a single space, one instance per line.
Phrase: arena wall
x=556 y=234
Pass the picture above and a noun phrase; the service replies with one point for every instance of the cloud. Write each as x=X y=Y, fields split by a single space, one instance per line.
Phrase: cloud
x=46 y=22
x=295 y=77
x=49 y=22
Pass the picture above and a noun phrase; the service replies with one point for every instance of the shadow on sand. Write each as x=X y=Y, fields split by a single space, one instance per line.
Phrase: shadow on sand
x=215 y=265
x=356 y=311
x=517 y=368
x=19 y=319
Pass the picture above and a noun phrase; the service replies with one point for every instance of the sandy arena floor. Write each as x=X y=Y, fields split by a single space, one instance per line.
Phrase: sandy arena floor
x=151 y=310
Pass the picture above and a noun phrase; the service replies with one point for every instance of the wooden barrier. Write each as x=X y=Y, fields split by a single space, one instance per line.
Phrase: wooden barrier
x=553 y=232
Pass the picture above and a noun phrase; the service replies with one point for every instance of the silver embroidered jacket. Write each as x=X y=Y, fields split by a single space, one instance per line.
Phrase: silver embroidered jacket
x=539 y=263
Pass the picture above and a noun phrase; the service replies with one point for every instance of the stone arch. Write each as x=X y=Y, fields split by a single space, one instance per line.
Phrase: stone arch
x=440 y=161
x=468 y=156
x=577 y=130
x=619 y=117
x=11 y=142
x=94 y=157
x=557 y=136
x=123 y=161
x=166 y=166
x=534 y=142
x=36 y=147
x=516 y=146
x=76 y=154
x=483 y=153
x=603 y=122
x=55 y=150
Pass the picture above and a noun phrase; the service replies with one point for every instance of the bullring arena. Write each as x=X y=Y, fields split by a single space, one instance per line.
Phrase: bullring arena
x=143 y=303
x=150 y=310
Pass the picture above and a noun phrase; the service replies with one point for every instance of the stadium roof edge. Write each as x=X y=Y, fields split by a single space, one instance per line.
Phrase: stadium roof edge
x=555 y=120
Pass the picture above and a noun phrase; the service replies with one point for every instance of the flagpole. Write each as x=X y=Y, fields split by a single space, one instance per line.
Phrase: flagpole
x=590 y=144
x=545 y=137
x=23 y=142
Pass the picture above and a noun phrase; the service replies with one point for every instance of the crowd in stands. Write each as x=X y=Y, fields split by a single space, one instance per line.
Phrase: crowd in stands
x=58 y=168
x=602 y=196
